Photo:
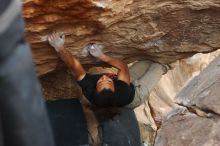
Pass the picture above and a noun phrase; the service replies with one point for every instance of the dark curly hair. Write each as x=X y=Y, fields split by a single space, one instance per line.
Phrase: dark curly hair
x=104 y=98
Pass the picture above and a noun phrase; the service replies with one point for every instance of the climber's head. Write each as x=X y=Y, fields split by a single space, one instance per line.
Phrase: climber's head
x=106 y=83
x=105 y=91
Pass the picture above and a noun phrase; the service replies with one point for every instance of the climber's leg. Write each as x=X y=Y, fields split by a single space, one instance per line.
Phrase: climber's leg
x=138 y=69
x=145 y=84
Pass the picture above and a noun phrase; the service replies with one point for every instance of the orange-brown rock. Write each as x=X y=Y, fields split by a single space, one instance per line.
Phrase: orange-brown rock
x=163 y=31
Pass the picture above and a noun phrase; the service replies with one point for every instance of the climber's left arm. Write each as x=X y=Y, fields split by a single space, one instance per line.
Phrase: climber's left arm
x=57 y=41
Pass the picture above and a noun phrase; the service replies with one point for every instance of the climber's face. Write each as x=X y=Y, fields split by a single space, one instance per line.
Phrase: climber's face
x=105 y=82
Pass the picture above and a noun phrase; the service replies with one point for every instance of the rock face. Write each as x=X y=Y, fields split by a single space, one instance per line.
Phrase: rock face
x=189 y=130
x=160 y=105
x=163 y=31
x=172 y=83
x=198 y=125
x=203 y=91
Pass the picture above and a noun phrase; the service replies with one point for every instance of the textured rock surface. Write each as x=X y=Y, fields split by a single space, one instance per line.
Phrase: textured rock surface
x=59 y=84
x=161 y=101
x=203 y=91
x=173 y=82
x=162 y=31
x=201 y=97
x=189 y=130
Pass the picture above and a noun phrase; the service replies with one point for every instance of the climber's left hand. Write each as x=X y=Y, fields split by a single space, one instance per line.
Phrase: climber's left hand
x=96 y=50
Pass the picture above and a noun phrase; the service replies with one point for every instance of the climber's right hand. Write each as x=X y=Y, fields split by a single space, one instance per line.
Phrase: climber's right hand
x=57 y=40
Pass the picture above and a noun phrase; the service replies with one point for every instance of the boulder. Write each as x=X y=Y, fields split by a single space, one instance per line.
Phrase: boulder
x=189 y=130
x=198 y=125
x=162 y=31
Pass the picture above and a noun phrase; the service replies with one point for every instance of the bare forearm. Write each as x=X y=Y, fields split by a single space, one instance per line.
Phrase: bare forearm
x=123 y=72
x=57 y=41
x=72 y=63
x=117 y=63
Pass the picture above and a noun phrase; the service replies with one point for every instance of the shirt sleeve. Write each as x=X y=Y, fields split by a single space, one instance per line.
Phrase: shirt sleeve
x=124 y=93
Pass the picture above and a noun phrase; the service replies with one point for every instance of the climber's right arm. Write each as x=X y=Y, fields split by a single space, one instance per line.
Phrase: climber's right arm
x=57 y=41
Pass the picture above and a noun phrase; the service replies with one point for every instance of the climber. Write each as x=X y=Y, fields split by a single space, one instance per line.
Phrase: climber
x=109 y=90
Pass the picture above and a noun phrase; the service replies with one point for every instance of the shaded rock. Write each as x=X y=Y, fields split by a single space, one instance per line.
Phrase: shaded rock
x=189 y=130
x=203 y=91
x=200 y=96
x=161 y=99
x=148 y=134
x=59 y=85
x=160 y=105
x=147 y=125
x=163 y=31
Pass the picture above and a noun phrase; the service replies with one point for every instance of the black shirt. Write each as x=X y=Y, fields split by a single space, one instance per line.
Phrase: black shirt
x=124 y=93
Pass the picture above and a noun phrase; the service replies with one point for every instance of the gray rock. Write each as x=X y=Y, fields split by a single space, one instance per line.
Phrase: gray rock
x=189 y=130
x=204 y=90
